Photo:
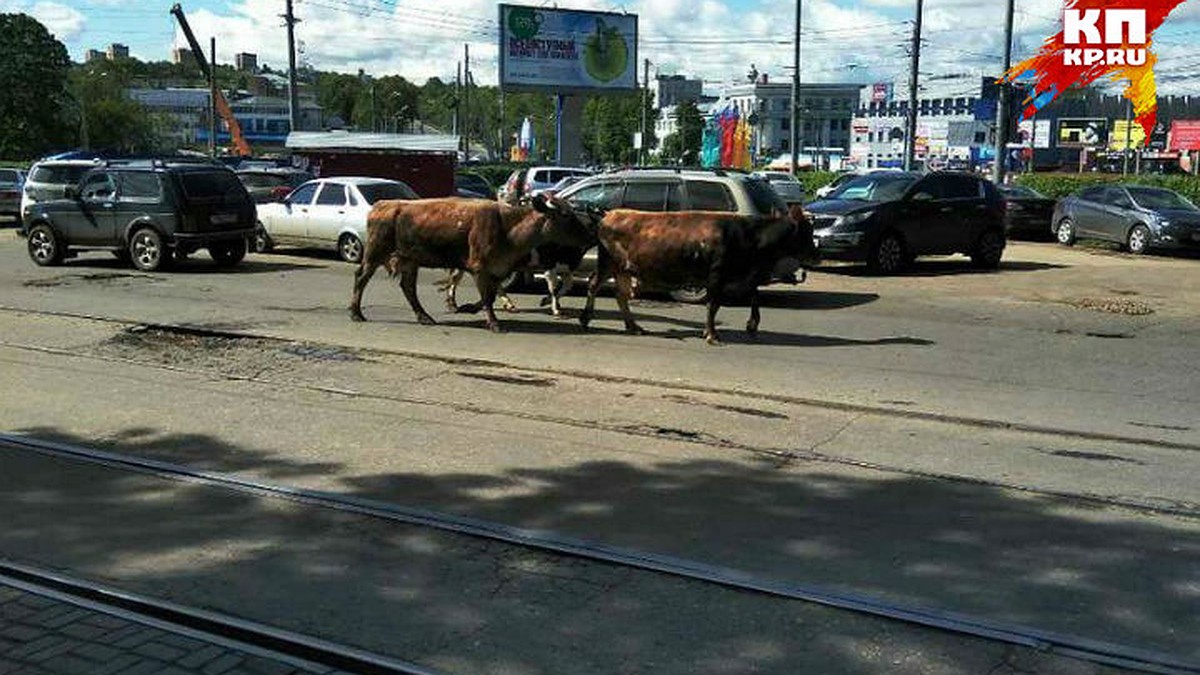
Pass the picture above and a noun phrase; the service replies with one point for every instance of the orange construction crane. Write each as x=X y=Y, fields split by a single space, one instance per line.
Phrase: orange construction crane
x=222 y=105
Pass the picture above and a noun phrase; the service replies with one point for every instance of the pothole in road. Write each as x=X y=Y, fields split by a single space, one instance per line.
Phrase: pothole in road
x=1123 y=305
x=1090 y=456
x=752 y=412
x=99 y=278
x=521 y=380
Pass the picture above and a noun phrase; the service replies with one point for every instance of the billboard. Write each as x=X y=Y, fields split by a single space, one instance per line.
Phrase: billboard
x=565 y=50
x=1082 y=132
x=881 y=92
x=1185 y=135
x=1116 y=140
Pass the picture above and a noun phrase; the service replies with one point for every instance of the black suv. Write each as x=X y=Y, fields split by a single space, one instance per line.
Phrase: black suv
x=889 y=218
x=148 y=212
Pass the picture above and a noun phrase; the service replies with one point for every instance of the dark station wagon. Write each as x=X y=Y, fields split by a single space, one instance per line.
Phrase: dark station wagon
x=149 y=212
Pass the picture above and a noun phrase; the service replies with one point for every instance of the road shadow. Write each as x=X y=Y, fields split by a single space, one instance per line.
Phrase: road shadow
x=197 y=264
x=943 y=267
x=1045 y=562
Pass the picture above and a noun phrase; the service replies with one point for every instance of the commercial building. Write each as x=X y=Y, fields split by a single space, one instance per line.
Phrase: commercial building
x=825 y=114
x=264 y=120
x=246 y=63
x=671 y=90
x=952 y=131
x=117 y=51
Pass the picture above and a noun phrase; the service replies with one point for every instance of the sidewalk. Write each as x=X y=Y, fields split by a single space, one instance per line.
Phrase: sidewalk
x=44 y=636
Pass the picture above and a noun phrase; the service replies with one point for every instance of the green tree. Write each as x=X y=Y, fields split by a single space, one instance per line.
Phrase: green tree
x=33 y=79
x=110 y=119
x=338 y=94
x=609 y=122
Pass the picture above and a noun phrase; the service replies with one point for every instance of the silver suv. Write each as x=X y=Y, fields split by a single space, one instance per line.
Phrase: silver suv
x=656 y=189
x=48 y=180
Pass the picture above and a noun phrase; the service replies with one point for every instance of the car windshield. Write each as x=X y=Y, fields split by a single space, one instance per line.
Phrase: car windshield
x=788 y=188
x=263 y=180
x=373 y=192
x=63 y=174
x=1157 y=198
x=874 y=188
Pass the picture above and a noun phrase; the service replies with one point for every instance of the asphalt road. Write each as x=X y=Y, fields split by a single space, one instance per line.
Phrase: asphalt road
x=1019 y=445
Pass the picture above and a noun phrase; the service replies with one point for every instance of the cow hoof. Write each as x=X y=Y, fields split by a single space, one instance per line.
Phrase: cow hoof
x=451 y=307
x=559 y=315
x=495 y=328
x=635 y=330
x=713 y=340
x=752 y=328
x=357 y=315
x=426 y=320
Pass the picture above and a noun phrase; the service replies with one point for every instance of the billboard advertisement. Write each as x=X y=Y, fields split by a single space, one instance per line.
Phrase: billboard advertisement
x=1082 y=132
x=567 y=50
x=1185 y=135
x=1116 y=140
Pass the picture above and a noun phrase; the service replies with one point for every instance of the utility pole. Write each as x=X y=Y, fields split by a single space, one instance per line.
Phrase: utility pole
x=910 y=134
x=212 y=99
x=645 y=102
x=1002 y=101
x=293 y=94
x=466 y=114
x=1128 y=136
x=457 y=98
x=795 y=131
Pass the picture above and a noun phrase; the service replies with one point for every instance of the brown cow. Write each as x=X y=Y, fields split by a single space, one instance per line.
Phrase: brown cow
x=481 y=236
x=729 y=255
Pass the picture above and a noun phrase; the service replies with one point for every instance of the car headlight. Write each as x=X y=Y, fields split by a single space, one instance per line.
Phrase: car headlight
x=853 y=218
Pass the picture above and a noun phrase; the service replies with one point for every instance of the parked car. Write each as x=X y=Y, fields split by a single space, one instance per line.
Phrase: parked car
x=786 y=185
x=474 y=184
x=1027 y=213
x=1136 y=216
x=12 y=181
x=267 y=185
x=528 y=181
x=887 y=219
x=674 y=190
x=49 y=179
x=329 y=213
x=148 y=212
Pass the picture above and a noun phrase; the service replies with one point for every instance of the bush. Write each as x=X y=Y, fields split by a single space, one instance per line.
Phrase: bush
x=814 y=180
x=1058 y=185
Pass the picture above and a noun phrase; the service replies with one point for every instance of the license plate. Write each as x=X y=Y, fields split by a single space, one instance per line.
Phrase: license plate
x=223 y=219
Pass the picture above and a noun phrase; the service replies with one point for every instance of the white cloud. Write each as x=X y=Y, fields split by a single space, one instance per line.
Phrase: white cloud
x=62 y=21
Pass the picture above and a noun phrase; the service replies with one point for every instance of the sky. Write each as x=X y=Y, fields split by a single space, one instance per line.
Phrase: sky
x=716 y=40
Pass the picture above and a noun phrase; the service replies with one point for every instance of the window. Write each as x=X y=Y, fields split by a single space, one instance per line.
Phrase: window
x=649 y=196
x=141 y=188
x=208 y=184
x=98 y=187
x=674 y=199
x=1118 y=198
x=600 y=194
x=59 y=175
x=960 y=187
x=332 y=194
x=710 y=196
x=303 y=195
x=373 y=192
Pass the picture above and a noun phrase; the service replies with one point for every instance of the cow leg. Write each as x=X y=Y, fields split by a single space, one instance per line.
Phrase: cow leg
x=362 y=276
x=624 y=293
x=506 y=302
x=752 y=324
x=597 y=278
x=488 y=286
x=408 y=283
x=451 y=287
x=710 y=325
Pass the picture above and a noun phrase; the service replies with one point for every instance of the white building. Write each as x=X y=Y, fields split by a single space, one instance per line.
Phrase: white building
x=825 y=114
x=948 y=131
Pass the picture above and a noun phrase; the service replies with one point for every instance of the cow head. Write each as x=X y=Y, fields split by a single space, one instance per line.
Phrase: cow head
x=565 y=224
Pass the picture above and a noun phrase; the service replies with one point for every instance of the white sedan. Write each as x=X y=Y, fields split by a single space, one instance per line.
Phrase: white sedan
x=326 y=213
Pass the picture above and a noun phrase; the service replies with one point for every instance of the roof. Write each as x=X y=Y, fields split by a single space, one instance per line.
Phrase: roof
x=344 y=140
x=355 y=180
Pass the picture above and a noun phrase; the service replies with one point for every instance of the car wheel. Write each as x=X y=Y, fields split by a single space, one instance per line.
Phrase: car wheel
x=692 y=295
x=888 y=254
x=1065 y=232
x=228 y=253
x=1139 y=239
x=262 y=240
x=350 y=248
x=44 y=247
x=147 y=251
x=989 y=250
